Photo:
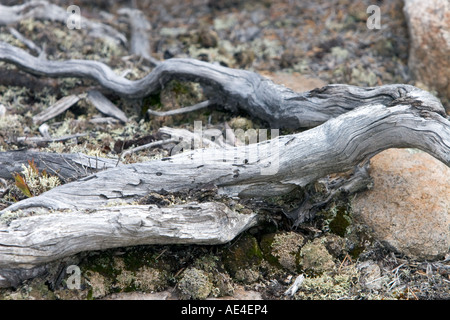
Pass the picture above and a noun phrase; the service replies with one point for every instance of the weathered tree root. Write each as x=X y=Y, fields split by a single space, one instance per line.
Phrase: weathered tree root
x=42 y=239
x=231 y=88
x=267 y=168
x=66 y=166
x=357 y=124
x=43 y=10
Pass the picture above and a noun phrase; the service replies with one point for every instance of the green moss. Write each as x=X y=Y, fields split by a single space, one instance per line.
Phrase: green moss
x=103 y=263
x=137 y=257
x=337 y=219
x=339 y=223
x=152 y=102
x=243 y=254
x=133 y=270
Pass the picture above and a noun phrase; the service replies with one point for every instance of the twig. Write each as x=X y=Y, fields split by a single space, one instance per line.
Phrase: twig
x=148 y=146
x=105 y=106
x=195 y=107
x=57 y=108
x=57 y=139
x=295 y=286
x=140 y=29
x=30 y=44
x=347 y=257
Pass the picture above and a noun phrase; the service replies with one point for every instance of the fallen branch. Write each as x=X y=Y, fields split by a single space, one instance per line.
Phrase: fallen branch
x=231 y=88
x=140 y=29
x=148 y=146
x=45 y=140
x=66 y=166
x=268 y=168
x=62 y=222
x=105 y=106
x=30 y=44
x=43 y=10
x=354 y=125
x=195 y=107
x=56 y=109
x=34 y=241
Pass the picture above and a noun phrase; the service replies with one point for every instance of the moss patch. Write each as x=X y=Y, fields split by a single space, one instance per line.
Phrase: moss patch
x=243 y=256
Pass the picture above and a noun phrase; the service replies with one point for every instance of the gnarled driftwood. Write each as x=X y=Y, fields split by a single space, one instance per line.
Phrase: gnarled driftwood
x=354 y=124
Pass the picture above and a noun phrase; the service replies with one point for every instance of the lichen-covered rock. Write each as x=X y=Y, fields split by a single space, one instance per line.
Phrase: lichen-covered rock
x=195 y=284
x=315 y=259
x=282 y=249
x=408 y=206
x=429 y=30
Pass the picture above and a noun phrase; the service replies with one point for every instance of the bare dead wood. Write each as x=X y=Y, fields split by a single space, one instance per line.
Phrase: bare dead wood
x=355 y=124
x=66 y=166
x=234 y=89
x=268 y=168
x=148 y=146
x=59 y=235
x=45 y=140
x=43 y=10
x=337 y=145
x=30 y=44
x=195 y=107
x=56 y=109
x=140 y=30
x=195 y=223
x=105 y=106
x=17 y=78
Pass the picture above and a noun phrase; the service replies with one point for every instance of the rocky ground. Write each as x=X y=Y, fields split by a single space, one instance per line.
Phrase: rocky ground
x=301 y=44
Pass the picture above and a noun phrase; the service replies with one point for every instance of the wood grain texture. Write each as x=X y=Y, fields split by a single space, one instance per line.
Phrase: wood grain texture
x=231 y=88
x=30 y=242
x=66 y=166
x=269 y=168
x=350 y=125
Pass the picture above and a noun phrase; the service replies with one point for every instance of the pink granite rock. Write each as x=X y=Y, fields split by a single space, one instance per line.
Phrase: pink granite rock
x=429 y=30
x=408 y=207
